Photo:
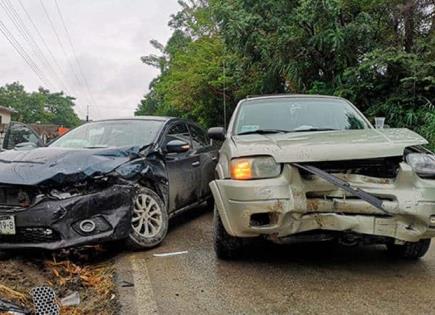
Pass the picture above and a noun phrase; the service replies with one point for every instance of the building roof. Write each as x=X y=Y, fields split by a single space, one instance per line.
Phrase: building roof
x=7 y=109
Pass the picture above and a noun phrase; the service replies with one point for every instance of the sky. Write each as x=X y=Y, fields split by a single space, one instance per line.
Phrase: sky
x=108 y=38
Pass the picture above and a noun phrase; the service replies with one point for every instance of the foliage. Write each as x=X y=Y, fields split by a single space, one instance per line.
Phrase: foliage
x=379 y=54
x=41 y=106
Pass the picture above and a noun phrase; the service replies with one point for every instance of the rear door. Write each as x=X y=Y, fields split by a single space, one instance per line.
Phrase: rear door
x=207 y=158
x=182 y=169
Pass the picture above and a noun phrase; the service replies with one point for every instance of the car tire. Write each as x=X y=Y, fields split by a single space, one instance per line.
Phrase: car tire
x=226 y=246
x=149 y=220
x=410 y=250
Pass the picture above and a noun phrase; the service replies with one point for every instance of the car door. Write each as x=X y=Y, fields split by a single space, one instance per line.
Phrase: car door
x=207 y=159
x=182 y=169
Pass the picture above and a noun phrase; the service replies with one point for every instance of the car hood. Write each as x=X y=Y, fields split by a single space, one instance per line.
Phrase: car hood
x=60 y=166
x=327 y=145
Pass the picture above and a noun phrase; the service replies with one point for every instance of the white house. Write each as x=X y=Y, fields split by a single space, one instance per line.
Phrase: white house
x=5 y=119
x=5 y=115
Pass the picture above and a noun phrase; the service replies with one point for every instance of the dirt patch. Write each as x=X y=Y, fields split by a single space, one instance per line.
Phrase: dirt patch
x=87 y=270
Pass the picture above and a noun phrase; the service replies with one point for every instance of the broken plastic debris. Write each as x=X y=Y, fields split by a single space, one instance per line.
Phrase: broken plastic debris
x=11 y=308
x=71 y=300
x=171 y=254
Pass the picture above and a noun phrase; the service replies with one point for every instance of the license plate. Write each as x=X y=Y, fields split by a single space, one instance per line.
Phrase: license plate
x=7 y=225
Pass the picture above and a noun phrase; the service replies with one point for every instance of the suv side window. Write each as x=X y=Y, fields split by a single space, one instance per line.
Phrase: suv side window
x=199 y=137
x=178 y=131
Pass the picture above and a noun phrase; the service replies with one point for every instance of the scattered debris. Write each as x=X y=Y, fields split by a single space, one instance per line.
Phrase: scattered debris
x=71 y=300
x=171 y=254
x=87 y=270
x=11 y=308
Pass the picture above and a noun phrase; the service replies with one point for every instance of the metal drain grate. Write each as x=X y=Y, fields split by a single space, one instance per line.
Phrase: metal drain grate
x=44 y=299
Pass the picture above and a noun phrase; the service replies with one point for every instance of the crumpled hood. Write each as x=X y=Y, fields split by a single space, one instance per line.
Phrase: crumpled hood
x=45 y=166
x=327 y=145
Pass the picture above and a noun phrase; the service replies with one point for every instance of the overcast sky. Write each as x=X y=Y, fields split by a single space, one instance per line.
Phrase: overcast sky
x=109 y=37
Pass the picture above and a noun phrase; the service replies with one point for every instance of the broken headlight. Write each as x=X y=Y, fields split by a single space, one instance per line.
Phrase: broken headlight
x=254 y=168
x=422 y=163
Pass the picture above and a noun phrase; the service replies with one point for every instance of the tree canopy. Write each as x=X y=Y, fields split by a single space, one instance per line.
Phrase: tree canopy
x=40 y=106
x=378 y=54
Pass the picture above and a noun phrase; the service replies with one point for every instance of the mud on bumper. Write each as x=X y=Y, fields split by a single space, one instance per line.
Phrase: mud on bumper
x=54 y=224
x=290 y=204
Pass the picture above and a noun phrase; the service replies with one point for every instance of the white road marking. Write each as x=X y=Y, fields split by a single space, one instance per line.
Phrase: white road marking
x=170 y=254
x=145 y=301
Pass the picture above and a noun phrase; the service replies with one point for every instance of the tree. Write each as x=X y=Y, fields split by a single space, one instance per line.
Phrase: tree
x=41 y=106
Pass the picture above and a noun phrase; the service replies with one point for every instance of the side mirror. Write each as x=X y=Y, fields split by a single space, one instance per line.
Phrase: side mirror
x=177 y=146
x=217 y=133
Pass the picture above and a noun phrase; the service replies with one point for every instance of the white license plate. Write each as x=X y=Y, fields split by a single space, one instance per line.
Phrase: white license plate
x=7 y=225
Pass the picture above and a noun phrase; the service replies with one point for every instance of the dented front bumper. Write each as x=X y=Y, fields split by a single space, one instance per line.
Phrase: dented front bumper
x=53 y=224
x=291 y=204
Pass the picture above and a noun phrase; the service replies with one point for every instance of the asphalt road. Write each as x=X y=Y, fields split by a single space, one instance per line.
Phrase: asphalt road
x=272 y=279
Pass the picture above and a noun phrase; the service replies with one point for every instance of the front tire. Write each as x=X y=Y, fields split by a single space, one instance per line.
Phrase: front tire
x=226 y=246
x=149 y=220
x=409 y=250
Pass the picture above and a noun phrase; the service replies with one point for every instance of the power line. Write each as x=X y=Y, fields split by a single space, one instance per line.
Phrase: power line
x=27 y=36
x=20 y=50
x=47 y=48
x=68 y=35
x=53 y=28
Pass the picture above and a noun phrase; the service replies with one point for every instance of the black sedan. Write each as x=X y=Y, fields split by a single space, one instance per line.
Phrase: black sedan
x=104 y=181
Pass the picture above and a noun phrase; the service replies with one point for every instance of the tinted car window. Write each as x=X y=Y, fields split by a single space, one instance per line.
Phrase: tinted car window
x=178 y=132
x=199 y=137
x=19 y=133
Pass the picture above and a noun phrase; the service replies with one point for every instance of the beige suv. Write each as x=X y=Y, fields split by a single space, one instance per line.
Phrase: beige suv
x=313 y=168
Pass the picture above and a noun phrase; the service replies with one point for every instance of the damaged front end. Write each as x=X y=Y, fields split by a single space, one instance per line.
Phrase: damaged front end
x=53 y=218
x=55 y=199
x=377 y=200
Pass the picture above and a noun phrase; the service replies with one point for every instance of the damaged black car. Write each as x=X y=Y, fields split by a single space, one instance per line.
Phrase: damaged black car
x=104 y=181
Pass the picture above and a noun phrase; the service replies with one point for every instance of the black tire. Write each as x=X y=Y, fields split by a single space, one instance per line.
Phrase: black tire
x=137 y=240
x=226 y=246
x=409 y=250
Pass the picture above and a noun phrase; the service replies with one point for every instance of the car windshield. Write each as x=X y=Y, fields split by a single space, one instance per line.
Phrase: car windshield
x=297 y=115
x=116 y=133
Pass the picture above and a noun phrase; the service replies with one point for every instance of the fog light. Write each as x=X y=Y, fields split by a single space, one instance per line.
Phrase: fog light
x=432 y=220
x=87 y=226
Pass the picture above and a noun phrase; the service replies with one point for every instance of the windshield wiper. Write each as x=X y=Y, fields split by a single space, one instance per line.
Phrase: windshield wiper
x=313 y=129
x=263 y=131
x=96 y=147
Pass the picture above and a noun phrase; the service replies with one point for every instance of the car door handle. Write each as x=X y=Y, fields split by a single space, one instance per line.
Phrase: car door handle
x=196 y=163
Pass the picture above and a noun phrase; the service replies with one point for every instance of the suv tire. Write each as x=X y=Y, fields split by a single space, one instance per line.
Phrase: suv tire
x=225 y=246
x=410 y=250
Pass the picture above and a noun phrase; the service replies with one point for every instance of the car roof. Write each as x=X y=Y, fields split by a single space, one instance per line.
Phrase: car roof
x=158 y=118
x=274 y=96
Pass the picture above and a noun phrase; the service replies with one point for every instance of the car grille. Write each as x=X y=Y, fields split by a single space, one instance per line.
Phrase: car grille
x=31 y=236
x=15 y=196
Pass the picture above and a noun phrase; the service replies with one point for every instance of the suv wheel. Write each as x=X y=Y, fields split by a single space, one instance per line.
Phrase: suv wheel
x=409 y=250
x=149 y=221
x=225 y=245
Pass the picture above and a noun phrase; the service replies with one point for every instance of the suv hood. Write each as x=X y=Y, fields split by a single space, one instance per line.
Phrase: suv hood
x=327 y=145
x=44 y=166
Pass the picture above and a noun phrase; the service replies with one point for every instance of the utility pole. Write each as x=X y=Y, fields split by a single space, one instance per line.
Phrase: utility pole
x=87 y=113
x=225 y=98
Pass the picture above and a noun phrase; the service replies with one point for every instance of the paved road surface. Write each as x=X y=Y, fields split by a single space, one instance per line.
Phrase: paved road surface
x=308 y=279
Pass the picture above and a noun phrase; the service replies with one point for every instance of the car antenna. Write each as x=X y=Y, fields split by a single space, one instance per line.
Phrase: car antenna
x=224 y=91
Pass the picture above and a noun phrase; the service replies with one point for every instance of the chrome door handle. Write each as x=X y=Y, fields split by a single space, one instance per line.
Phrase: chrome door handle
x=196 y=163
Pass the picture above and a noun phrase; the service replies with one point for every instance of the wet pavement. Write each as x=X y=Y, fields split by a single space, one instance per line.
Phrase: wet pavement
x=272 y=279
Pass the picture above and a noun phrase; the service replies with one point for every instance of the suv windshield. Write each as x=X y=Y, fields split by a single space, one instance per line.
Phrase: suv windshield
x=115 y=133
x=296 y=115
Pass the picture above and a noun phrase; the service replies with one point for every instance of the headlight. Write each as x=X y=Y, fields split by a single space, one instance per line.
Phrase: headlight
x=422 y=163
x=254 y=168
